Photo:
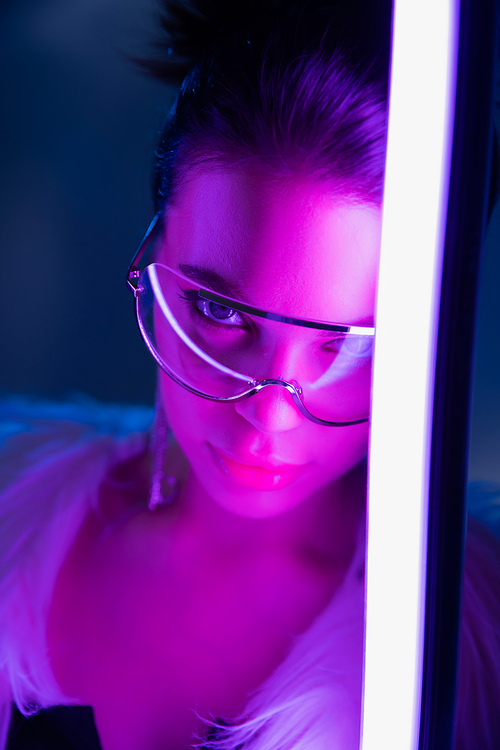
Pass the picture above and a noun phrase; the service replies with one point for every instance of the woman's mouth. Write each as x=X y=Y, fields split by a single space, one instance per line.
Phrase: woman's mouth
x=264 y=478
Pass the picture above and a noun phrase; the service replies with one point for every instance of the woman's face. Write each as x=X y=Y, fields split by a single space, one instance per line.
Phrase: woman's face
x=290 y=247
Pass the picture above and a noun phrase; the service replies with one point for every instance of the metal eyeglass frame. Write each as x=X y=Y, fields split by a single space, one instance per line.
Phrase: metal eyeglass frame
x=293 y=388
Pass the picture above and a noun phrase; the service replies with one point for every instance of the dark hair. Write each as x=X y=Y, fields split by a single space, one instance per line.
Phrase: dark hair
x=297 y=85
x=294 y=86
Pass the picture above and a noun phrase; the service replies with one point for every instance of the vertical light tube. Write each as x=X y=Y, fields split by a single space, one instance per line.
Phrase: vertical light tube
x=421 y=117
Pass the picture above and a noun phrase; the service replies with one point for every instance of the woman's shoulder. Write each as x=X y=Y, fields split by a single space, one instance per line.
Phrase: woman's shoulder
x=53 y=459
x=481 y=595
x=46 y=439
x=482 y=558
x=478 y=710
x=26 y=423
x=52 y=456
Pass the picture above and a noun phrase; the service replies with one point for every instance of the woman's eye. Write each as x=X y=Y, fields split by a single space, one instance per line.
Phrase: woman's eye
x=334 y=346
x=352 y=346
x=211 y=313
x=219 y=313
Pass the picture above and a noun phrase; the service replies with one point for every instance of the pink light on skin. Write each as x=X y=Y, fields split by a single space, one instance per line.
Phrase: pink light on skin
x=192 y=608
x=171 y=319
x=290 y=247
x=263 y=476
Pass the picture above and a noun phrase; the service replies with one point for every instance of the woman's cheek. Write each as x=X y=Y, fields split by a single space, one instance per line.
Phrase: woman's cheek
x=187 y=415
x=195 y=422
x=337 y=452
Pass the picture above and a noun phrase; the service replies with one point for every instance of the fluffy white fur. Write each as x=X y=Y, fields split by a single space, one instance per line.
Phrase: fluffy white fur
x=313 y=699
x=51 y=470
x=53 y=460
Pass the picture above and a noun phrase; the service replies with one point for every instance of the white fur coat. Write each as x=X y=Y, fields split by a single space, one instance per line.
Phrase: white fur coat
x=53 y=459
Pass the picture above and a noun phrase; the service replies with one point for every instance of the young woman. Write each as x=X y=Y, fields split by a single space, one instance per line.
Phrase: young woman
x=212 y=593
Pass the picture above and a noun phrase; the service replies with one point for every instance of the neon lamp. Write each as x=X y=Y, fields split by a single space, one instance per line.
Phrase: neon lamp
x=439 y=138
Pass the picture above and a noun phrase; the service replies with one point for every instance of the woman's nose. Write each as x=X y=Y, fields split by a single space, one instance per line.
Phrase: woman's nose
x=270 y=410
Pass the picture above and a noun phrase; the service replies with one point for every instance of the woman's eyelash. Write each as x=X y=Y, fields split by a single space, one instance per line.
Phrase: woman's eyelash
x=189 y=295
x=335 y=344
x=192 y=298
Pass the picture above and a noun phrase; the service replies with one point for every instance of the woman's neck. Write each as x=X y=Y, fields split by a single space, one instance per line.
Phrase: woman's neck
x=322 y=527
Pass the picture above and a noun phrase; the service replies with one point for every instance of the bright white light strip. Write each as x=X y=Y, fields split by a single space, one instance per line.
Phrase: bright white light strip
x=415 y=201
x=160 y=298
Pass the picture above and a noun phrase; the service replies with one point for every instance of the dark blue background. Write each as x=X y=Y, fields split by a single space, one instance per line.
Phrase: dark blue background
x=78 y=129
x=79 y=125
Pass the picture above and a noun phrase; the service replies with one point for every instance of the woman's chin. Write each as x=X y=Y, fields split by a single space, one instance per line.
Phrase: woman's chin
x=257 y=505
x=253 y=491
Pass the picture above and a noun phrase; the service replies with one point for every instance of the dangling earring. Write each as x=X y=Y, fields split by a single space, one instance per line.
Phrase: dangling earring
x=158 y=444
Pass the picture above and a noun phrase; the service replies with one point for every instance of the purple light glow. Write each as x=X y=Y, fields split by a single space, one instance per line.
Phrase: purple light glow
x=421 y=117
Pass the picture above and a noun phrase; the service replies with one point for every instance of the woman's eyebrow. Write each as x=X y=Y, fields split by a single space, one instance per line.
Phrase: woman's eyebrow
x=210 y=279
x=218 y=284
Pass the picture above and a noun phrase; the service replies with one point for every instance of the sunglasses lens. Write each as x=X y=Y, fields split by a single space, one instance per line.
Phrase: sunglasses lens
x=221 y=352
x=180 y=339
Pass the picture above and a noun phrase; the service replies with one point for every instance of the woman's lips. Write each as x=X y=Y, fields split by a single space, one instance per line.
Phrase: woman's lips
x=257 y=477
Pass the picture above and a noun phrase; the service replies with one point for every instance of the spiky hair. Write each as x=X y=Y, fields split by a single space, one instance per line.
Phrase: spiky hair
x=299 y=85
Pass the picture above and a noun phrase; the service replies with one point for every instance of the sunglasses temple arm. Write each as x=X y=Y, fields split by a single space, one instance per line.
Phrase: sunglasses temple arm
x=133 y=269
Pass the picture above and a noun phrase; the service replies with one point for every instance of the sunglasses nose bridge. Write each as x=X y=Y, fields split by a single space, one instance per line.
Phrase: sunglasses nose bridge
x=271 y=410
x=293 y=388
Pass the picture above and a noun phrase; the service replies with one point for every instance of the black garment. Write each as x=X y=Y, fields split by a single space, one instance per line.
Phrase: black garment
x=57 y=728
x=61 y=728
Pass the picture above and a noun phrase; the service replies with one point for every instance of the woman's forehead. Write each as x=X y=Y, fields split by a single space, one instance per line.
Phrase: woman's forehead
x=288 y=245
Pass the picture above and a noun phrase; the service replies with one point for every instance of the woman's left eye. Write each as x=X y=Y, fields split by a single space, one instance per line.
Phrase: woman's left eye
x=219 y=313
x=212 y=314
x=359 y=347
